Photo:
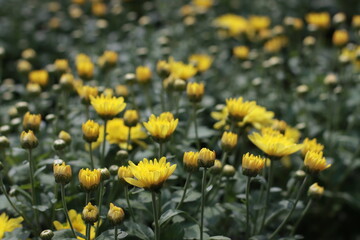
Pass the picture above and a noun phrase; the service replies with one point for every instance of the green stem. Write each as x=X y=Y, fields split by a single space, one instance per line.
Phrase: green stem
x=291 y=211
x=148 y=98
x=196 y=127
x=88 y=227
x=103 y=146
x=87 y=114
x=185 y=189
x=62 y=188
x=87 y=198
x=116 y=232
x=101 y=193
x=248 y=230
x=203 y=185
x=223 y=159
x=91 y=156
x=128 y=140
x=33 y=192
x=177 y=106
x=156 y=217
x=301 y=217
x=160 y=150
x=270 y=179
x=126 y=190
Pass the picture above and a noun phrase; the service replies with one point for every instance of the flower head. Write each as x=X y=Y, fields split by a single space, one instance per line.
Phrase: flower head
x=65 y=136
x=229 y=141
x=206 y=158
x=90 y=213
x=238 y=109
x=273 y=143
x=131 y=118
x=150 y=174
x=191 y=161
x=181 y=70
x=62 y=173
x=124 y=172
x=202 y=62
x=85 y=92
x=89 y=179
x=143 y=74
x=162 y=127
x=195 y=91
x=61 y=65
x=40 y=77
x=319 y=20
x=28 y=140
x=241 y=52
x=90 y=131
x=252 y=165
x=315 y=162
x=311 y=145
x=85 y=68
x=340 y=38
x=107 y=107
x=8 y=224
x=31 y=121
x=116 y=214
x=315 y=190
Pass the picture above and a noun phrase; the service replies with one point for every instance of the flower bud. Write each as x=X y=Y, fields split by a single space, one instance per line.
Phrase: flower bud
x=4 y=143
x=62 y=173
x=28 y=140
x=89 y=179
x=340 y=37
x=31 y=121
x=300 y=174
x=105 y=174
x=124 y=172
x=252 y=165
x=46 y=235
x=130 y=78
x=28 y=54
x=122 y=91
x=228 y=171
x=191 y=161
x=90 y=131
x=315 y=191
x=23 y=66
x=5 y=129
x=114 y=169
x=195 y=91
x=229 y=141
x=206 y=158
x=131 y=118
x=90 y=214
x=143 y=74
x=33 y=89
x=59 y=144
x=216 y=169
x=65 y=136
x=50 y=117
x=115 y=215
x=122 y=155
x=179 y=85
x=61 y=65
x=67 y=82
x=22 y=107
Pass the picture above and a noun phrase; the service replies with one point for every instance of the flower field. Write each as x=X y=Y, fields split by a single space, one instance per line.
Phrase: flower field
x=171 y=120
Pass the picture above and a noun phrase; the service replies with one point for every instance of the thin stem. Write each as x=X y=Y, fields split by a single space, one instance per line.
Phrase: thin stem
x=156 y=217
x=270 y=179
x=101 y=193
x=103 y=145
x=62 y=189
x=148 y=98
x=160 y=150
x=203 y=185
x=128 y=140
x=196 y=127
x=185 y=189
x=292 y=209
x=91 y=156
x=87 y=198
x=159 y=204
x=116 y=232
x=126 y=190
x=88 y=227
x=87 y=113
x=223 y=159
x=308 y=205
x=32 y=181
x=248 y=227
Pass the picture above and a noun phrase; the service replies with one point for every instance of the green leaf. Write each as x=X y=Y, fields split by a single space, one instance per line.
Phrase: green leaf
x=139 y=230
x=219 y=238
x=110 y=234
x=166 y=216
x=65 y=234
x=174 y=231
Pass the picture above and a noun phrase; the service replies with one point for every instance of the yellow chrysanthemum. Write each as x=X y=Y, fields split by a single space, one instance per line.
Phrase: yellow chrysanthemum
x=319 y=20
x=40 y=77
x=315 y=190
x=161 y=128
x=150 y=175
x=124 y=172
x=238 y=109
x=259 y=22
x=311 y=145
x=274 y=143
x=202 y=61
x=181 y=70
x=89 y=179
x=221 y=118
x=8 y=224
x=85 y=92
x=191 y=161
x=252 y=165
x=195 y=91
x=117 y=133
x=31 y=121
x=107 y=107
x=234 y=24
x=259 y=117
x=275 y=44
x=91 y=131
x=315 y=162
x=241 y=52
x=78 y=224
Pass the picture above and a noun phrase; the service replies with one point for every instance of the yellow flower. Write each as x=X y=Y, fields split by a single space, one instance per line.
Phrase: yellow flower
x=131 y=118
x=28 y=140
x=89 y=179
x=221 y=118
x=122 y=91
x=340 y=38
x=78 y=224
x=143 y=74
x=90 y=131
x=107 y=107
x=191 y=161
x=150 y=175
x=31 y=121
x=195 y=91
x=65 y=136
x=252 y=165
x=9 y=224
x=84 y=67
x=85 y=92
x=238 y=109
x=241 y=52
x=161 y=128
x=98 y=9
x=202 y=62
x=315 y=190
x=163 y=68
x=40 y=77
x=181 y=70
x=311 y=145
x=206 y=158
x=90 y=213
x=273 y=143
x=115 y=214
x=229 y=141
x=234 y=24
x=319 y=20
x=61 y=65
x=356 y=21
x=23 y=66
x=108 y=59
x=295 y=23
x=118 y=132
x=258 y=117
x=275 y=44
x=217 y=167
x=124 y=172
x=315 y=162
x=62 y=173
x=259 y=22
x=203 y=4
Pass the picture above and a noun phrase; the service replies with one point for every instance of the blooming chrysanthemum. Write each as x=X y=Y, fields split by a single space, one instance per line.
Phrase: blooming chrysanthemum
x=238 y=109
x=234 y=24
x=259 y=117
x=89 y=179
x=124 y=172
x=90 y=131
x=8 y=224
x=202 y=61
x=107 y=107
x=311 y=145
x=40 y=77
x=259 y=22
x=181 y=70
x=77 y=223
x=252 y=165
x=161 y=128
x=315 y=162
x=273 y=143
x=150 y=174
x=85 y=92
x=319 y=20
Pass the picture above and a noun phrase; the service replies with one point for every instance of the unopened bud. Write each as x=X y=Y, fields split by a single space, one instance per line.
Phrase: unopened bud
x=46 y=235
x=122 y=155
x=229 y=171
x=105 y=174
x=59 y=144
